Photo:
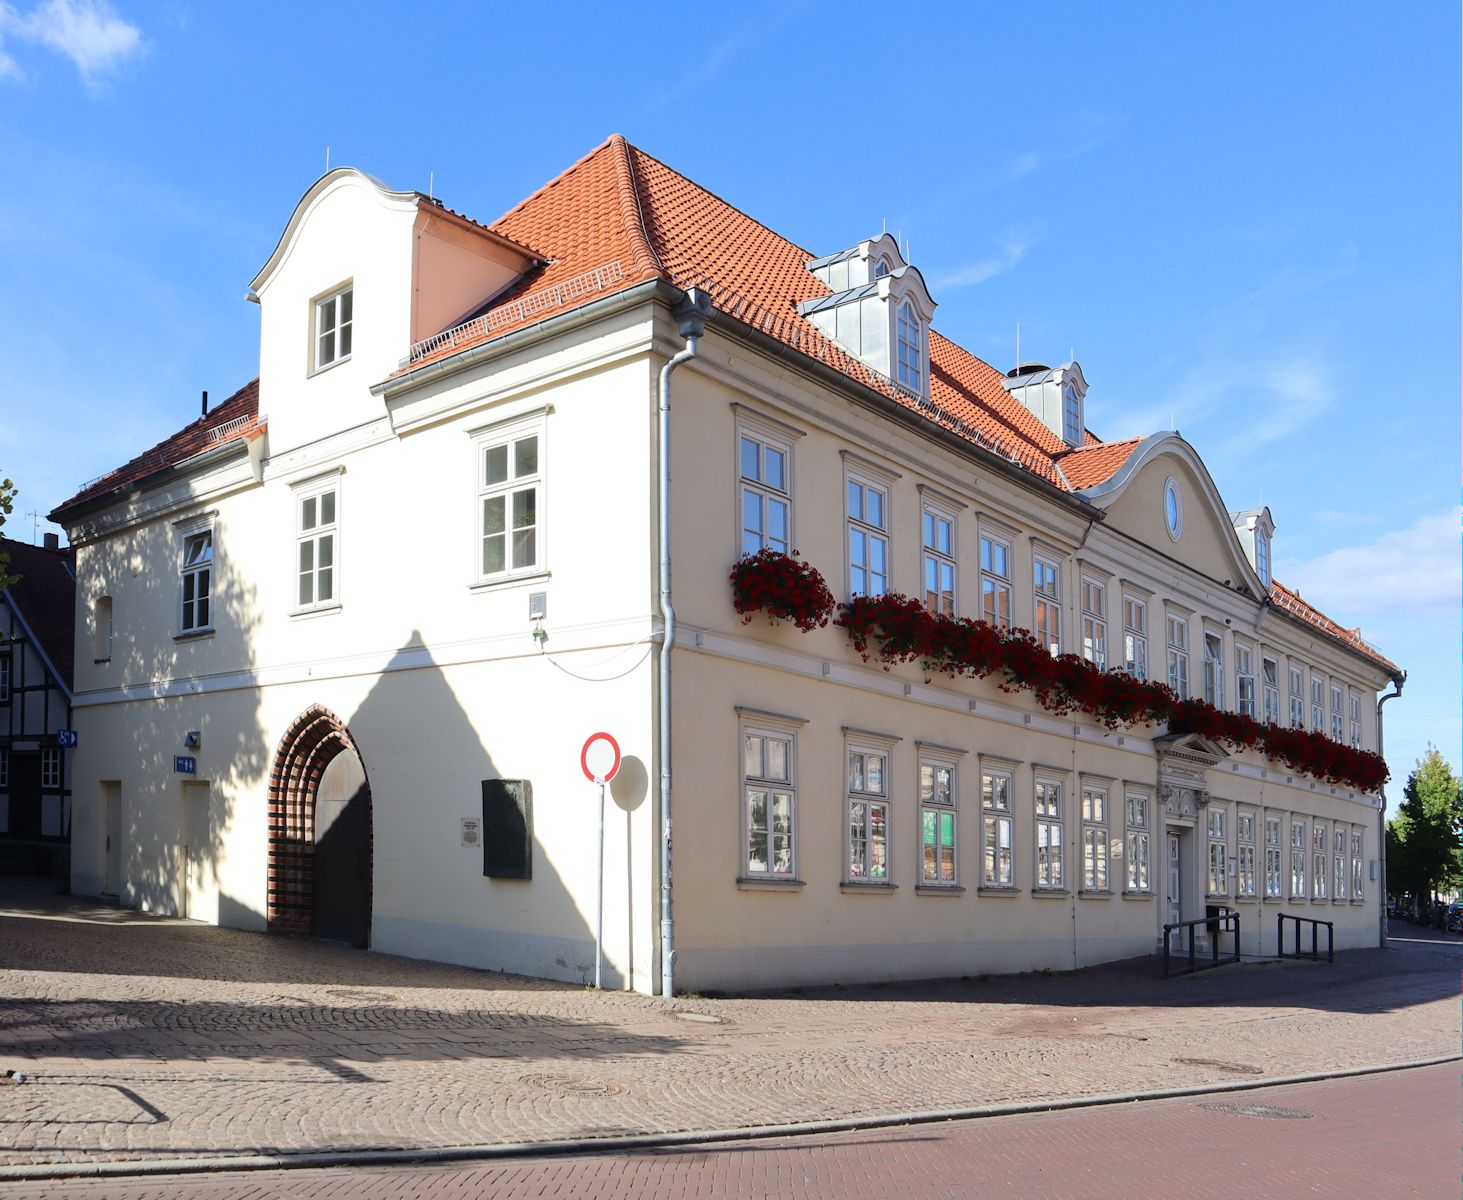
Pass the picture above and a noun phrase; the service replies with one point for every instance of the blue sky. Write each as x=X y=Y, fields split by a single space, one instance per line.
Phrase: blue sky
x=1242 y=219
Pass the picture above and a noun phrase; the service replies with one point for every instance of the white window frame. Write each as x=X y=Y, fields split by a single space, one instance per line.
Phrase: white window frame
x=341 y=331
x=1274 y=876
x=1096 y=850
x=784 y=733
x=1214 y=669
x=1137 y=817
x=760 y=488
x=1320 y=859
x=1297 y=697
x=1216 y=820
x=939 y=562
x=1354 y=707
x=507 y=437
x=1270 y=688
x=1318 y=703
x=1262 y=556
x=1046 y=602
x=1244 y=679
x=1135 y=636
x=1338 y=699
x=932 y=806
x=995 y=585
x=997 y=826
x=1173 y=508
x=1094 y=620
x=1178 y=654
x=51 y=767
x=860 y=828
x=909 y=342
x=1358 y=862
x=1340 y=844
x=197 y=579
x=1050 y=840
x=5 y=683
x=314 y=537
x=1298 y=859
x=865 y=535
x=1247 y=883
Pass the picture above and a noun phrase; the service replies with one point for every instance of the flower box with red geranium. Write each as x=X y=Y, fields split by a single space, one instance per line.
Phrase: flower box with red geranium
x=783 y=586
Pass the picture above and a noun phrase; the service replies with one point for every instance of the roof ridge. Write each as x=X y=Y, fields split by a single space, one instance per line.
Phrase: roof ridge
x=646 y=259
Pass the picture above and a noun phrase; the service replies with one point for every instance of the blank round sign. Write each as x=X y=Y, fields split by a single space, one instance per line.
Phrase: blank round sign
x=600 y=758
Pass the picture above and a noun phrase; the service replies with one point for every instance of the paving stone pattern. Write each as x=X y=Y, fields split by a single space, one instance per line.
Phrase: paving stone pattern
x=147 y=1038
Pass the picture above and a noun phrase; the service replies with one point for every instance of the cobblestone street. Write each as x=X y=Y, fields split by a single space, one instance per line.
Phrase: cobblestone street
x=147 y=1038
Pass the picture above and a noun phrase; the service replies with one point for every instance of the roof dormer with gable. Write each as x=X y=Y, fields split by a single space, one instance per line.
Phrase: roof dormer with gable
x=878 y=309
x=1054 y=395
x=1255 y=529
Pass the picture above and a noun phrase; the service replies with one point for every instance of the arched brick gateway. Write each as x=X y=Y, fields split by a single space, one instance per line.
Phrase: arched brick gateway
x=314 y=740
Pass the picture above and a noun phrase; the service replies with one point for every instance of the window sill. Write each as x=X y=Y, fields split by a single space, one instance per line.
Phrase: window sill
x=1296 y=900
x=866 y=885
x=1357 y=901
x=506 y=581
x=100 y=662
x=193 y=635
x=1246 y=899
x=331 y=365
x=1138 y=895
x=1051 y=893
x=938 y=889
x=996 y=889
x=751 y=884
x=316 y=610
x=1094 y=894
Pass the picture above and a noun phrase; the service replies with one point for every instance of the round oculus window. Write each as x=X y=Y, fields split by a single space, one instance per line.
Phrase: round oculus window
x=1173 y=508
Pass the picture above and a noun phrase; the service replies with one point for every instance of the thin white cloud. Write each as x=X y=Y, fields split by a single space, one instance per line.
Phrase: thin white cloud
x=1013 y=250
x=88 y=32
x=1420 y=565
x=9 y=68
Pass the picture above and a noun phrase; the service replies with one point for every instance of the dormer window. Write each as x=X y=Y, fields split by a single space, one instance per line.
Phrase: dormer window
x=1262 y=556
x=881 y=267
x=333 y=321
x=911 y=350
x=1071 y=413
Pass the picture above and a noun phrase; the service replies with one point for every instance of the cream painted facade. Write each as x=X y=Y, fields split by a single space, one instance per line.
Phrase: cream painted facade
x=444 y=680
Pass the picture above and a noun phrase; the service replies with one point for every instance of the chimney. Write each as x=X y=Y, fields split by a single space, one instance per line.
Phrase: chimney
x=53 y=541
x=205 y=403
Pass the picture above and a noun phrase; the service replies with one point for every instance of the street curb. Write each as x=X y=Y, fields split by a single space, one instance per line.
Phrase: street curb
x=123 y=1168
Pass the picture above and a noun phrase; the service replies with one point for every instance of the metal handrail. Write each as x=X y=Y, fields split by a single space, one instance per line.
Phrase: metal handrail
x=1226 y=920
x=1314 y=952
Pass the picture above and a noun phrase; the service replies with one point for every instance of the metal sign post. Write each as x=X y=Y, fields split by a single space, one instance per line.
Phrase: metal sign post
x=599 y=760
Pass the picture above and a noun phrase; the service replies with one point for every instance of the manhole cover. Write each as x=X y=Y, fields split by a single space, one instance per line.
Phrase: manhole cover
x=567 y=1085
x=1273 y=1111
x=1218 y=1065
x=702 y=1018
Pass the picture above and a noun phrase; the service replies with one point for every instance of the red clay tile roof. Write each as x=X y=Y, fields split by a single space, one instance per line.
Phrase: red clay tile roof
x=1095 y=461
x=45 y=598
x=232 y=419
x=1282 y=597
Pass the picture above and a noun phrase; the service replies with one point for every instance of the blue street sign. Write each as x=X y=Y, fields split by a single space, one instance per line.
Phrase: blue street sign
x=185 y=764
x=66 y=738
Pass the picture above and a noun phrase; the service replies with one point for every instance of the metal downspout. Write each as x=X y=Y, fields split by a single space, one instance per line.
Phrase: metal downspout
x=692 y=316
x=1397 y=682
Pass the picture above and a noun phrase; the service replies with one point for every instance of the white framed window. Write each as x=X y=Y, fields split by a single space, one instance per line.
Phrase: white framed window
x=938 y=818
x=1094 y=622
x=1337 y=723
x=1358 y=861
x=938 y=535
x=4 y=678
x=1270 y=686
x=995 y=581
x=1297 y=698
x=1094 y=839
x=769 y=801
x=1274 y=881
x=1248 y=864
x=1050 y=851
x=764 y=467
x=1297 y=860
x=1338 y=863
x=1214 y=669
x=868 y=537
x=1140 y=877
x=1355 y=705
x=1244 y=679
x=50 y=766
x=1178 y=655
x=1071 y=415
x=1135 y=637
x=1173 y=509
x=910 y=334
x=1318 y=703
x=102 y=617
x=317 y=545
x=999 y=867
x=1262 y=556
x=1218 y=877
x=867 y=859
x=510 y=508
x=195 y=583
x=1320 y=868
x=1046 y=604
x=334 y=318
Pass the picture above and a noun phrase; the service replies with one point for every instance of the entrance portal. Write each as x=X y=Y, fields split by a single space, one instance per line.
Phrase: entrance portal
x=320 y=833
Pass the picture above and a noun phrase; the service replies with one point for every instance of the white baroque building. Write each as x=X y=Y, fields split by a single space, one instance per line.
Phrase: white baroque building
x=365 y=613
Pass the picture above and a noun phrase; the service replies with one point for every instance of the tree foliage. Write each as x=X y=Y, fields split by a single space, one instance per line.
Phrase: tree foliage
x=1423 y=840
x=7 y=504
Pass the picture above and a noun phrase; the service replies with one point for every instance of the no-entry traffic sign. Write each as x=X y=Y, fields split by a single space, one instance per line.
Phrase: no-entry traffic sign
x=600 y=758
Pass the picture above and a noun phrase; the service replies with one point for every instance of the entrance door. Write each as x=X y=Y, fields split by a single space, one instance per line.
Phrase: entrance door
x=1175 y=902
x=343 y=852
x=195 y=850
x=112 y=847
x=25 y=795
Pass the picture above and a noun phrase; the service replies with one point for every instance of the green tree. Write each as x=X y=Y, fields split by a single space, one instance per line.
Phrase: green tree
x=1423 y=840
x=7 y=503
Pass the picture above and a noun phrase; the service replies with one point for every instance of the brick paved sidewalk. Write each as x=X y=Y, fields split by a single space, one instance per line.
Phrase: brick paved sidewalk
x=147 y=1038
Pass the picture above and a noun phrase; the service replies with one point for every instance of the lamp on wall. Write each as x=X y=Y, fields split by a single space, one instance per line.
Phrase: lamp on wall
x=193 y=739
